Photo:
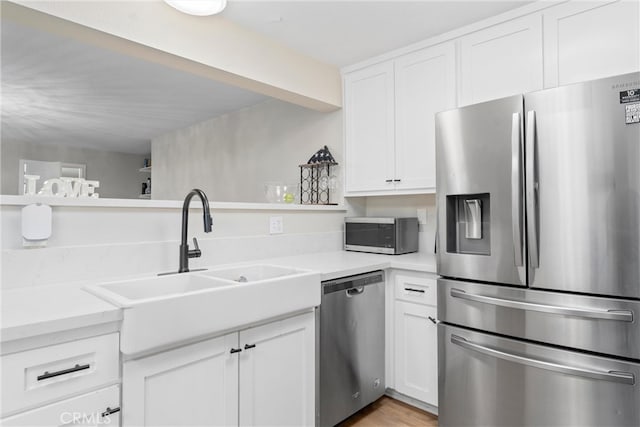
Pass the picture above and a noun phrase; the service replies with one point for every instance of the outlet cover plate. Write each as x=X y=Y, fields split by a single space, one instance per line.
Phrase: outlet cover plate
x=276 y=225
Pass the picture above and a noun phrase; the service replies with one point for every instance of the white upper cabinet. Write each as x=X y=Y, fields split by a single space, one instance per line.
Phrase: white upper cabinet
x=590 y=40
x=369 y=128
x=390 y=124
x=501 y=60
x=424 y=85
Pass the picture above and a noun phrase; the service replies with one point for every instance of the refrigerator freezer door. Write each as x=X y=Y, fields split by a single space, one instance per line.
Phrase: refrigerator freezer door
x=583 y=187
x=479 y=152
x=486 y=380
x=597 y=324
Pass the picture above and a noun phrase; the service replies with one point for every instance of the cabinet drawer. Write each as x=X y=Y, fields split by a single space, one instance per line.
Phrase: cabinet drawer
x=48 y=373
x=419 y=290
x=97 y=408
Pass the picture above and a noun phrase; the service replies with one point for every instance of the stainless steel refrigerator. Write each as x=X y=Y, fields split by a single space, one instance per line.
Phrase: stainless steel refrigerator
x=538 y=252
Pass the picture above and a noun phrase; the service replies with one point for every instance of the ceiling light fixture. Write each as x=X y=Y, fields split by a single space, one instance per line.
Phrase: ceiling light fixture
x=198 y=7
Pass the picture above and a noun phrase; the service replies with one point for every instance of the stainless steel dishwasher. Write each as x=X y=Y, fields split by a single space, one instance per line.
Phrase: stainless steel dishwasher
x=351 y=352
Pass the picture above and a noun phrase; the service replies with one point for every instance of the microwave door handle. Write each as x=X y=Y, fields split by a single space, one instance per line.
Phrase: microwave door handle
x=516 y=187
x=532 y=190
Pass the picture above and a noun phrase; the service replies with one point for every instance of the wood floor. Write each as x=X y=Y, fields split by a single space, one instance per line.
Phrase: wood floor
x=390 y=412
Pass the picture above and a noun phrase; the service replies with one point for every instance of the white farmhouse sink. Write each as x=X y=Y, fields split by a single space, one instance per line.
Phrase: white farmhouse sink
x=162 y=310
x=252 y=273
x=124 y=294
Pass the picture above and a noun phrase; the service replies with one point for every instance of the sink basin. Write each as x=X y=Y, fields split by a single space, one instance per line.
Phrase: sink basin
x=125 y=293
x=252 y=273
x=161 y=311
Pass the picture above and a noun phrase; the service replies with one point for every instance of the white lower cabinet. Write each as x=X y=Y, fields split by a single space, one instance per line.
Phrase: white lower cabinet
x=98 y=408
x=416 y=351
x=69 y=383
x=191 y=385
x=413 y=339
x=259 y=376
x=277 y=376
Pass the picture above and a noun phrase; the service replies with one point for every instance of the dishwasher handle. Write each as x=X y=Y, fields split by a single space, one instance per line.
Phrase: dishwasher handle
x=352 y=283
x=355 y=291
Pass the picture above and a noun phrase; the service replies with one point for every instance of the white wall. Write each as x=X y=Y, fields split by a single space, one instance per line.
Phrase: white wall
x=94 y=244
x=407 y=206
x=118 y=173
x=232 y=156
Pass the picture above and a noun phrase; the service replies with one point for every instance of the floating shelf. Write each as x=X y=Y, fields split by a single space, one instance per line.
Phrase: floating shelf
x=145 y=196
x=147 y=169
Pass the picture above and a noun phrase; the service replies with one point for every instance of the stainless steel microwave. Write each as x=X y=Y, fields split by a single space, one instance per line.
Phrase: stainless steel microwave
x=392 y=236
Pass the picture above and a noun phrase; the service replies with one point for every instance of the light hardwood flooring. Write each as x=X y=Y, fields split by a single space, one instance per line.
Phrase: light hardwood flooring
x=390 y=412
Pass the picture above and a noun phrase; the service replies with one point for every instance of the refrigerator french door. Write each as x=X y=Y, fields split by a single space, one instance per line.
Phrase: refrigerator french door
x=538 y=248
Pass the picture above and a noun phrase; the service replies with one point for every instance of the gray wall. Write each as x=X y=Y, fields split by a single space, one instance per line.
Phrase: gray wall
x=231 y=157
x=118 y=173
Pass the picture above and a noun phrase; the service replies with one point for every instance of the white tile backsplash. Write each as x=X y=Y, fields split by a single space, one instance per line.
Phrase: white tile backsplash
x=98 y=244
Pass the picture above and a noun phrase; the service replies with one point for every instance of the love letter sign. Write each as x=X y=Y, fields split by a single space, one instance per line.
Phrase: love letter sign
x=62 y=187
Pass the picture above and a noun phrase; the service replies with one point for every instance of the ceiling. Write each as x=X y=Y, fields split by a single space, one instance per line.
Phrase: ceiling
x=348 y=31
x=59 y=90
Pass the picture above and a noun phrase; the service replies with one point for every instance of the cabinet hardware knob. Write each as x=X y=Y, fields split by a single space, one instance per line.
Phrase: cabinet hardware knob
x=432 y=320
x=110 y=411
x=235 y=350
x=248 y=346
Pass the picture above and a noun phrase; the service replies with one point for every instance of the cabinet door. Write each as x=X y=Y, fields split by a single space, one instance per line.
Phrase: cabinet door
x=195 y=385
x=590 y=40
x=98 y=408
x=369 y=128
x=277 y=376
x=416 y=358
x=424 y=85
x=502 y=60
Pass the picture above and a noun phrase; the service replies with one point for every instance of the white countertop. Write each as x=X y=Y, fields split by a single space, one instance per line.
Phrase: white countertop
x=332 y=265
x=47 y=309
x=36 y=311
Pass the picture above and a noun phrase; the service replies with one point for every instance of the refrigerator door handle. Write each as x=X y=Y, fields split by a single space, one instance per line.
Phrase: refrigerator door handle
x=516 y=187
x=620 y=315
x=613 y=376
x=532 y=190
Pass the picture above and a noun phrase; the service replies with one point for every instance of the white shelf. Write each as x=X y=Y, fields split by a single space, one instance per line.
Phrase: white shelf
x=147 y=169
x=11 y=200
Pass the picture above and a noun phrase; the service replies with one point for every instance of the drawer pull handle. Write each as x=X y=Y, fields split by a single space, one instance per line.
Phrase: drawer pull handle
x=388 y=180
x=110 y=411
x=432 y=320
x=76 y=368
x=414 y=290
x=248 y=346
x=235 y=350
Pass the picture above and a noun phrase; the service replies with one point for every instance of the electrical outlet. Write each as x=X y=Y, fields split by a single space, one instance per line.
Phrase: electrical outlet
x=276 y=225
x=422 y=216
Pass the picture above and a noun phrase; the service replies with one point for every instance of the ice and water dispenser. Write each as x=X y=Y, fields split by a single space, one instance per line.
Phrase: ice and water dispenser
x=468 y=224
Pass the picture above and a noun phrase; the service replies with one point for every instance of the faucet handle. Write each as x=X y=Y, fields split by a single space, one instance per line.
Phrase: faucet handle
x=194 y=253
